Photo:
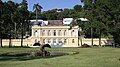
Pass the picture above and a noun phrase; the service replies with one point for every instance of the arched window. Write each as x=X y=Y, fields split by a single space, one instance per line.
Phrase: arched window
x=73 y=41
x=43 y=32
x=59 y=33
x=65 y=32
x=35 y=40
x=43 y=40
x=36 y=33
x=49 y=33
x=54 y=40
x=59 y=40
x=54 y=32
x=65 y=40
x=49 y=41
x=72 y=33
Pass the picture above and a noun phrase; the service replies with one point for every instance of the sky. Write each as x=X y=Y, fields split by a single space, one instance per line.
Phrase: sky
x=50 y=4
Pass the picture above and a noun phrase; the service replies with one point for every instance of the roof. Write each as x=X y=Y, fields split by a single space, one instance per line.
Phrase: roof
x=83 y=19
x=55 y=22
x=67 y=21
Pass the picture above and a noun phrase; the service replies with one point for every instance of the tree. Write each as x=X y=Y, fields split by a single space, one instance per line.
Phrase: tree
x=37 y=8
x=11 y=10
x=24 y=19
x=1 y=22
x=77 y=8
x=106 y=12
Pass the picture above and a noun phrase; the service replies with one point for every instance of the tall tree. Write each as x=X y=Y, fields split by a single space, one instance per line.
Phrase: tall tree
x=37 y=9
x=1 y=22
x=88 y=14
x=24 y=18
x=77 y=8
x=11 y=10
x=107 y=12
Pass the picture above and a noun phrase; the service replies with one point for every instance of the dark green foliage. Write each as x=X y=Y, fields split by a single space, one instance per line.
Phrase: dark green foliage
x=58 y=14
x=13 y=18
x=77 y=8
x=107 y=15
x=85 y=45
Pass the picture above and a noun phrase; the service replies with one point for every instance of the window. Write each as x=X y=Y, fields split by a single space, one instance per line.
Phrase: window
x=49 y=41
x=36 y=33
x=59 y=40
x=43 y=32
x=54 y=32
x=73 y=41
x=73 y=33
x=59 y=33
x=54 y=40
x=35 y=40
x=65 y=33
x=43 y=40
x=49 y=33
x=65 y=41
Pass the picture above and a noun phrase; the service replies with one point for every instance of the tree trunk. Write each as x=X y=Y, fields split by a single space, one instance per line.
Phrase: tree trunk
x=81 y=40
x=36 y=15
x=10 y=44
x=100 y=38
x=0 y=42
x=22 y=37
x=91 y=36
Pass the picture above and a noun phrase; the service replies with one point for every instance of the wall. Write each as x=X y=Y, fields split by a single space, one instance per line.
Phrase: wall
x=17 y=42
x=31 y=41
x=96 y=41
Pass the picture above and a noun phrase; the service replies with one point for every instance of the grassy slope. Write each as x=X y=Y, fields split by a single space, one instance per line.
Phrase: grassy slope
x=87 y=57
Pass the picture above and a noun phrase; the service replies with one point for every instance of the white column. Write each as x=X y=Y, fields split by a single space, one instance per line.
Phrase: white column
x=51 y=41
x=32 y=33
x=62 y=32
x=57 y=40
x=38 y=32
x=52 y=32
x=57 y=31
x=46 y=41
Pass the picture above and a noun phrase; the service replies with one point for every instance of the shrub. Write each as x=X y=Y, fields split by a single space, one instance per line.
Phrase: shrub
x=85 y=45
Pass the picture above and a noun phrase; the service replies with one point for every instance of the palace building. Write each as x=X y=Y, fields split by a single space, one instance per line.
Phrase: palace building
x=57 y=33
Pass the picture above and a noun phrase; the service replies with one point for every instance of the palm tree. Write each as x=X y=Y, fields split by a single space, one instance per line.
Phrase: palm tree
x=37 y=8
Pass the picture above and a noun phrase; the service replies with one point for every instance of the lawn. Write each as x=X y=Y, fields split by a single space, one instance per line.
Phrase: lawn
x=86 y=57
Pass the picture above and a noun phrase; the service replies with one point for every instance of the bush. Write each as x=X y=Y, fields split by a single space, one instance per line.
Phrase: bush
x=85 y=45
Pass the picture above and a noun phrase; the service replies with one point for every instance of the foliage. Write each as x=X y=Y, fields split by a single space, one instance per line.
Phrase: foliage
x=85 y=45
x=78 y=8
x=12 y=15
x=59 y=14
x=13 y=18
x=107 y=14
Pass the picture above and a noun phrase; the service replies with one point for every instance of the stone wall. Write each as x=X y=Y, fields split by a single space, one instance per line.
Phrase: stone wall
x=31 y=41
x=96 y=41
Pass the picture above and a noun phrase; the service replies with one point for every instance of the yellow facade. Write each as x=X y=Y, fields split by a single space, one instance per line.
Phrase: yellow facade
x=55 y=33
x=56 y=36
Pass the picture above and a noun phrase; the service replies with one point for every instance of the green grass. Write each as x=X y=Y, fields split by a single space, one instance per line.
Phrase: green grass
x=87 y=57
